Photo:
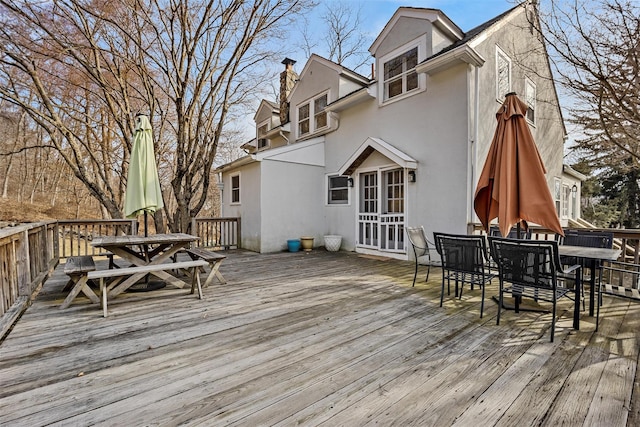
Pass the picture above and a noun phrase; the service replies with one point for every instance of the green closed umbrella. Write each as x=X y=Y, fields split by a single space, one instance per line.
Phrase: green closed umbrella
x=143 y=192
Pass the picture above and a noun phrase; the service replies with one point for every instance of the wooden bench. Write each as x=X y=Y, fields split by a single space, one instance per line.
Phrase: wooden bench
x=214 y=260
x=118 y=274
x=75 y=267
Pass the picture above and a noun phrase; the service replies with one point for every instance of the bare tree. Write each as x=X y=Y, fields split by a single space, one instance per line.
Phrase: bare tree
x=92 y=65
x=9 y=133
x=596 y=51
x=341 y=37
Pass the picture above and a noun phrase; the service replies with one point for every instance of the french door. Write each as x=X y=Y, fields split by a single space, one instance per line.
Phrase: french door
x=381 y=207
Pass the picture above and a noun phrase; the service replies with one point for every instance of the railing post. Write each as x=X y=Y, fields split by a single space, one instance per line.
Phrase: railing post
x=23 y=264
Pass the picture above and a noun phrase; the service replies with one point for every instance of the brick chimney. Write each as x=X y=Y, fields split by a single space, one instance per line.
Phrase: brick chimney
x=288 y=78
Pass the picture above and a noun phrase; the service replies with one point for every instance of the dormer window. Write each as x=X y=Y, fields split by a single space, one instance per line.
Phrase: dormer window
x=263 y=142
x=320 y=115
x=303 y=120
x=400 y=74
x=313 y=108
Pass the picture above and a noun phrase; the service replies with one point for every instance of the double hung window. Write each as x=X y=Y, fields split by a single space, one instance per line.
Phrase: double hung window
x=263 y=142
x=566 y=195
x=338 y=190
x=400 y=74
x=557 y=193
x=312 y=115
x=235 y=189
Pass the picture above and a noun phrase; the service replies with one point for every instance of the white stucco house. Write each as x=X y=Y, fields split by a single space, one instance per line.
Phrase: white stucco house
x=363 y=157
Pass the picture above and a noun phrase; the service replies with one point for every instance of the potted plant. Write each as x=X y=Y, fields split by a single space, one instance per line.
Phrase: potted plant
x=332 y=242
x=307 y=243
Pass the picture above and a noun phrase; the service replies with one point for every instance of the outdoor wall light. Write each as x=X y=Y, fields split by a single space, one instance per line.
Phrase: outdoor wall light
x=350 y=182
x=574 y=189
x=412 y=176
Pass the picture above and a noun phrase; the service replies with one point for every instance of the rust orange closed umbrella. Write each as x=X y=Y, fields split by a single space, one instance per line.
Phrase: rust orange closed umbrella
x=512 y=186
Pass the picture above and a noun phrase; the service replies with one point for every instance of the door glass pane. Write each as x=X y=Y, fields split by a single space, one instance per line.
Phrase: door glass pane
x=395 y=191
x=369 y=201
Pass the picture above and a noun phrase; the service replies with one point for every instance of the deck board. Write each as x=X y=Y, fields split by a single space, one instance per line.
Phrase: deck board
x=316 y=338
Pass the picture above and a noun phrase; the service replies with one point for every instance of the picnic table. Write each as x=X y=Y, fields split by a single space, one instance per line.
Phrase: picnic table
x=145 y=251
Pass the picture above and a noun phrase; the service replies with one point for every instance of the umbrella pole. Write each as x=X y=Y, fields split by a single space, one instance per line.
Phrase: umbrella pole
x=146 y=249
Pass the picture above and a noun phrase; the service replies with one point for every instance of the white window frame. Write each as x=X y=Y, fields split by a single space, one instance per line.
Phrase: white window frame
x=306 y=119
x=530 y=94
x=566 y=195
x=320 y=112
x=258 y=138
x=421 y=46
x=329 y=201
x=392 y=202
x=235 y=189
x=557 y=194
x=313 y=115
x=500 y=54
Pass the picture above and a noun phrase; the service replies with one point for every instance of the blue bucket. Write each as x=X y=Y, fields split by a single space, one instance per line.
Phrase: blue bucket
x=293 y=245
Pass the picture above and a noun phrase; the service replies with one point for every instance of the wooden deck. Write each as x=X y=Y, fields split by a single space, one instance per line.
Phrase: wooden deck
x=315 y=338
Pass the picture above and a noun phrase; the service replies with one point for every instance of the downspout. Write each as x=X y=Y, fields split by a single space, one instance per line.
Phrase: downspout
x=282 y=135
x=221 y=189
x=335 y=117
x=474 y=140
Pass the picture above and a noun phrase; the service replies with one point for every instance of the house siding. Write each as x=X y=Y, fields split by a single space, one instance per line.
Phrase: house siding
x=528 y=60
x=444 y=131
x=412 y=29
x=291 y=211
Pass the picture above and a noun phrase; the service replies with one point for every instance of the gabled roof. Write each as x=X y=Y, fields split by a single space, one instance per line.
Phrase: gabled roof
x=463 y=49
x=436 y=16
x=271 y=107
x=474 y=32
x=376 y=144
x=339 y=69
x=574 y=173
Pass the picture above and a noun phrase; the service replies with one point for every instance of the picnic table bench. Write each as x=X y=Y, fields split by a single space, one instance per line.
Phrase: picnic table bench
x=82 y=275
x=214 y=260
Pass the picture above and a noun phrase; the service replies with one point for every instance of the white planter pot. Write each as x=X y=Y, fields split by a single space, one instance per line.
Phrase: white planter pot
x=332 y=242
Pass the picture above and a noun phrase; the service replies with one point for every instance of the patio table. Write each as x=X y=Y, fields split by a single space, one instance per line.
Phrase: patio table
x=145 y=250
x=593 y=255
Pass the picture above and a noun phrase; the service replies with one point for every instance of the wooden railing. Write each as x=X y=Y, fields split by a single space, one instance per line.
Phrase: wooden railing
x=28 y=255
x=75 y=236
x=627 y=240
x=217 y=233
x=30 y=252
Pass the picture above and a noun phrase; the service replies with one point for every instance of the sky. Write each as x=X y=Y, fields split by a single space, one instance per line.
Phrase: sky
x=466 y=14
x=375 y=14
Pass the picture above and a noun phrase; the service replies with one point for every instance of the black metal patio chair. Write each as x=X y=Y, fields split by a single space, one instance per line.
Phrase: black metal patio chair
x=494 y=231
x=464 y=260
x=421 y=250
x=531 y=269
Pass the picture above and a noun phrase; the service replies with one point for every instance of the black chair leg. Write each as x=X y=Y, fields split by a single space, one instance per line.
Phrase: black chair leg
x=415 y=274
